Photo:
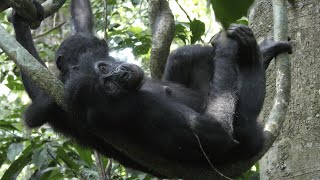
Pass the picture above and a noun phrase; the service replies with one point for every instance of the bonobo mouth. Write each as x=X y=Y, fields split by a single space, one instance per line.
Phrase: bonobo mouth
x=123 y=77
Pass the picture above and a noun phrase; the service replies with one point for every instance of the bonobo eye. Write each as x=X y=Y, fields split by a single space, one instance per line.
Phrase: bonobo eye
x=75 y=67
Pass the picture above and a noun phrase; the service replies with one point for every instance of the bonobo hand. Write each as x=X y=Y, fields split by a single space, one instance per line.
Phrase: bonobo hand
x=35 y=23
x=270 y=49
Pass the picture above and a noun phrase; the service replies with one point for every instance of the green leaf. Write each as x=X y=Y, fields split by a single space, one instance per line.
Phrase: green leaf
x=197 y=28
x=7 y=126
x=49 y=170
x=228 y=11
x=180 y=32
x=16 y=167
x=3 y=153
x=55 y=175
x=135 y=2
x=85 y=155
x=14 y=84
x=40 y=157
x=14 y=150
x=243 y=20
x=135 y=30
x=61 y=153
x=141 y=49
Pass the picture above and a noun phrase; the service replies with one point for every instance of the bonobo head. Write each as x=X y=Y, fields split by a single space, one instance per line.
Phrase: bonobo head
x=70 y=50
x=83 y=56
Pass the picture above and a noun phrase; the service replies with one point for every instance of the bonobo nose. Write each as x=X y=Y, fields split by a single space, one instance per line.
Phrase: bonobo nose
x=130 y=74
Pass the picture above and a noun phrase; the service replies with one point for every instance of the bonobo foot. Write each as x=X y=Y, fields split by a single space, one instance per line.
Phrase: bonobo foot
x=125 y=77
x=248 y=46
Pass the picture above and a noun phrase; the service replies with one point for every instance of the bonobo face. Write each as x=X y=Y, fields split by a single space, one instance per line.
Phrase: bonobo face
x=111 y=76
x=124 y=77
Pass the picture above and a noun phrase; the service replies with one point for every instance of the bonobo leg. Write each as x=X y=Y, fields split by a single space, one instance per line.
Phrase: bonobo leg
x=250 y=91
x=215 y=127
x=191 y=66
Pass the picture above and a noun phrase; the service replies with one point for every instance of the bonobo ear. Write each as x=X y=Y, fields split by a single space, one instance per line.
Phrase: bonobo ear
x=82 y=16
x=59 y=63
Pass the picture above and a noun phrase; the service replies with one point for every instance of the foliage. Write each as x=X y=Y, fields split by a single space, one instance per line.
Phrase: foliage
x=42 y=154
x=229 y=11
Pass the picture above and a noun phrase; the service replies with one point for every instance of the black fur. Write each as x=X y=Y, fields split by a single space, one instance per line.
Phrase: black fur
x=209 y=94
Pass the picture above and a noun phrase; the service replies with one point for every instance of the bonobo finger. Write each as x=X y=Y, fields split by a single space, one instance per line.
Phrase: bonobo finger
x=243 y=28
x=238 y=35
x=289 y=38
x=40 y=15
x=283 y=46
x=235 y=33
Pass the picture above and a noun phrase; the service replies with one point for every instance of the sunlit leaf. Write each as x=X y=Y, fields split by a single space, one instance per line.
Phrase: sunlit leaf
x=16 y=167
x=85 y=155
x=229 y=11
x=14 y=150
x=197 y=28
x=7 y=126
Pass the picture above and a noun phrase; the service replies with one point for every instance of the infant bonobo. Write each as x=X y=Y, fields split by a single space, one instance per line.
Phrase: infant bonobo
x=206 y=106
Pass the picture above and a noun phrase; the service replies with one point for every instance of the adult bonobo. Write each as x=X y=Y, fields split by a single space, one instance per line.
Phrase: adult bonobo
x=203 y=112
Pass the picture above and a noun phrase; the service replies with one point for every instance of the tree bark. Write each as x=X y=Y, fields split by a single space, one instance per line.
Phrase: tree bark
x=32 y=68
x=162 y=27
x=296 y=153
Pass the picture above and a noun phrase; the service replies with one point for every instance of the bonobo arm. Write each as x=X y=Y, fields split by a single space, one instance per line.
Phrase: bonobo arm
x=42 y=107
x=24 y=37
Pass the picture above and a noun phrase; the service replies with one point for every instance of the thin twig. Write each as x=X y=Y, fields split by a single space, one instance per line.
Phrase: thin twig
x=106 y=20
x=99 y=165
x=109 y=170
x=50 y=30
x=208 y=159
x=185 y=12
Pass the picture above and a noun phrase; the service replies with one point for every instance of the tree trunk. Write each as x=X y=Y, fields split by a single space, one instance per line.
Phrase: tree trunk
x=296 y=153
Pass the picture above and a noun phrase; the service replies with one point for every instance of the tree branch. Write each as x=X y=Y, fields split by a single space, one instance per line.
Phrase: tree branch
x=49 y=31
x=283 y=83
x=52 y=6
x=31 y=67
x=163 y=27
